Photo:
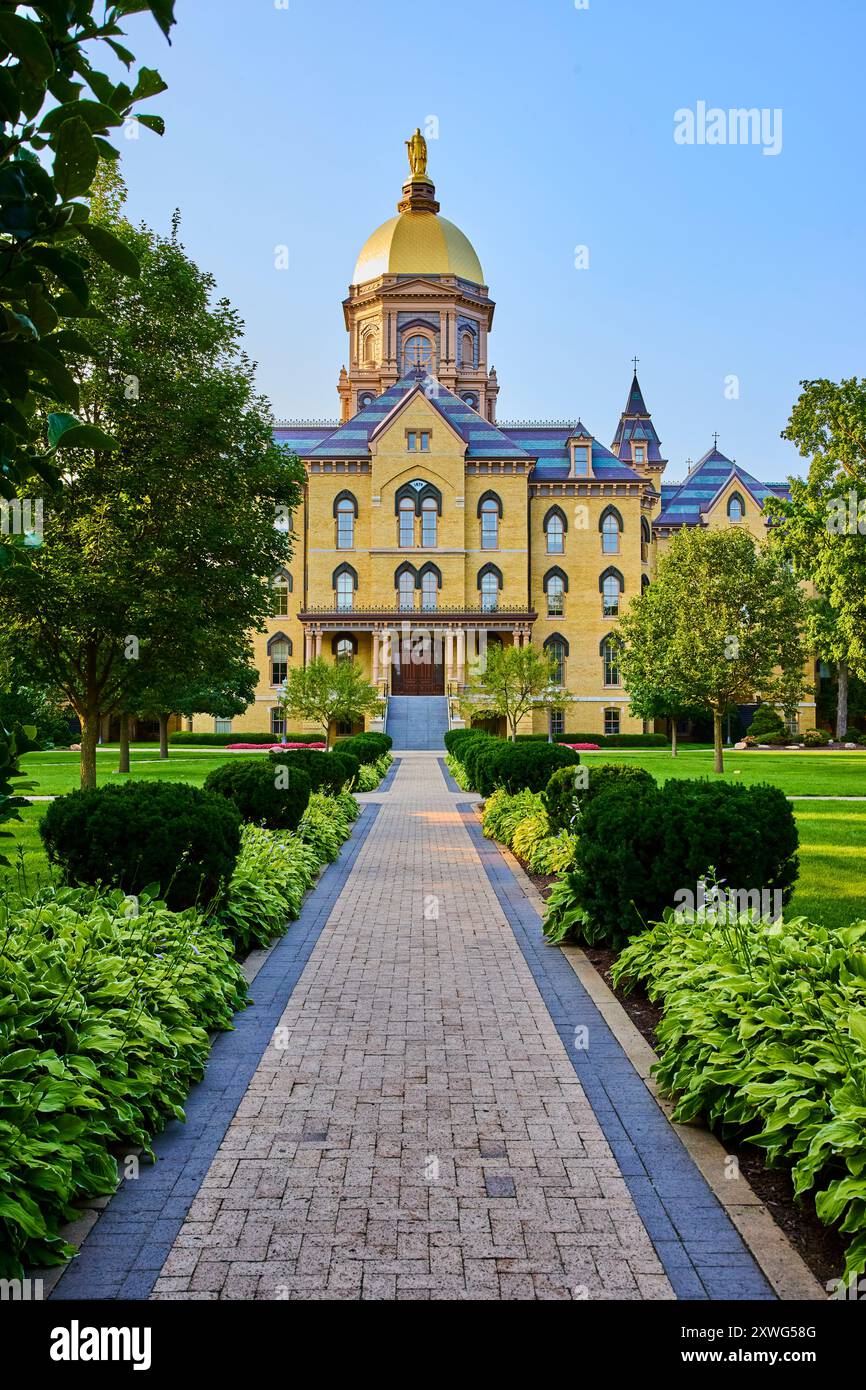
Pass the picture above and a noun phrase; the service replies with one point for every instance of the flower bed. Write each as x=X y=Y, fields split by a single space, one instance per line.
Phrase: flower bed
x=273 y=747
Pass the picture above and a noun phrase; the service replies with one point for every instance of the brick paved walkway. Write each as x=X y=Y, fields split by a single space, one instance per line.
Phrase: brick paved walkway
x=417 y=1128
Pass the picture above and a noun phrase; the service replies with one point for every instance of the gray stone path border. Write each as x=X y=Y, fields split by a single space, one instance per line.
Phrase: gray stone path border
x=703 y=1253
x=124 y=1252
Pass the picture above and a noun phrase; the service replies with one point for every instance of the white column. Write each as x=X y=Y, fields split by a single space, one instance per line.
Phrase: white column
x=318 y=643
x=449 y=661
x=375 y=657
x=461 y=656
x=308 y=646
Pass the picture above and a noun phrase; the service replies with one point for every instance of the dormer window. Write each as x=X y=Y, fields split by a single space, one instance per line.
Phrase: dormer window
x=640 y=453
x=581 y=456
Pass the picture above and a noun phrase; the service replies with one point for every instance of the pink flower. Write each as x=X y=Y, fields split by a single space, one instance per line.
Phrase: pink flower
x=273 y=747
x=581 y=745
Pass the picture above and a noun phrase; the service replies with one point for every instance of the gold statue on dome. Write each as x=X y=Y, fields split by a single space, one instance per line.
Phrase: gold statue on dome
x=417 y=149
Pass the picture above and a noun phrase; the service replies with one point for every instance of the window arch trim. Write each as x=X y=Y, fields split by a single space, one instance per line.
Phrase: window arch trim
x=555 y=511
x=736 y=497
x=611 y=573
x=610 y=639
x=346 y=496
x=611 y=510
x=417 y=496
x=406 y=568
x=556 y=573
x=344 y=569
x=430 y=568
x=490 y=569
x=344 y=637
x=490 y=496
x=279 y=637
x=283 y=576
x=557 y=637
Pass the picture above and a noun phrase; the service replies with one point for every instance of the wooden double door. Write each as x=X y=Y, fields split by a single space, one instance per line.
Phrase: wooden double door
x=424 y=676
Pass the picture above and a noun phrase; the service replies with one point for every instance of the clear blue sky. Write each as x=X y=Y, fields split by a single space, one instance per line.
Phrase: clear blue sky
x=555 y=130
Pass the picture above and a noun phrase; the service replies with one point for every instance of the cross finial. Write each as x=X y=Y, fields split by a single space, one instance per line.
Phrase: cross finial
x=715 y=439
x=635 y=360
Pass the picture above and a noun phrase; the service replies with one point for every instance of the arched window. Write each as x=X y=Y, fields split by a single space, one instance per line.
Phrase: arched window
x=417 y=352
x=645 y=538
x=610 y=525
x=279 y=651
x=611 y=585
x=644 y=583
x=281 y=587
x=554 y=529
x=345 y=510
x=428 y=590
x=555 y=587
x=406 y=522
x=345 y=581
x=556 y=648
x=429 y=518
x=370 y=350
x=467 y=349
x=736 y=507
x=490 y=510
x=344 y=649
x=406 y=589
x=489 y=584
x=609 y=651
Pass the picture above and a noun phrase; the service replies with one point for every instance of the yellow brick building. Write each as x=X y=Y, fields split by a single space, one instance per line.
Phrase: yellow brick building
x=429 y=528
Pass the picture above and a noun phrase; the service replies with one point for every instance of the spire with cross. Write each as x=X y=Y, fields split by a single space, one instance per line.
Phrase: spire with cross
x=635 y=360
x=716 y=439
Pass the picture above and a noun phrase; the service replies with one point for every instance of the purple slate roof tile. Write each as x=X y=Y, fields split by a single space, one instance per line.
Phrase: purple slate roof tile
x=682 y=504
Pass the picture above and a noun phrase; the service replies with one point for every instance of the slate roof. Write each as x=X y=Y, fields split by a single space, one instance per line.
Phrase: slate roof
x=683 y=503
x=635 y=423
x=547 y=445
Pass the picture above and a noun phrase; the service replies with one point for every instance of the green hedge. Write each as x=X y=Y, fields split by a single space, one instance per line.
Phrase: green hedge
x=640 y=845
x=184 y=737
x=182 y=838
x=275 y=797
x=603 y=740
x=328 y=772
x=365 y=747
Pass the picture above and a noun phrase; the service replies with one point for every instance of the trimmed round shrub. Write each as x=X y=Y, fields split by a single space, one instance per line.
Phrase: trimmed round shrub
x=560 y=799
x=275 y=797
x=600 y=776
x=528 y=766
x=328 y=772
x=455 y=739
x=766 y=720
x=348 y=766
x=366 y=747
x=640 y=846
x=478 y=756
x=184 y=838
x=816 y=738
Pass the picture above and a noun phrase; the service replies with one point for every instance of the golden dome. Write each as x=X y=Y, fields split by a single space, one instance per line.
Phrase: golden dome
x=418 y=243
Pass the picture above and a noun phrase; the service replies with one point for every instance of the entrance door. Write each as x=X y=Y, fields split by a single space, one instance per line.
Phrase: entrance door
x=423 y=676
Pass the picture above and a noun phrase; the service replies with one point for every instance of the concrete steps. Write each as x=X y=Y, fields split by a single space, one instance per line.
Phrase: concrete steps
x=417 y=721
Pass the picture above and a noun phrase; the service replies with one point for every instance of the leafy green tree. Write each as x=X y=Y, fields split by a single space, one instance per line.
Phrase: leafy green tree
x=10 y=795
x=203 y=677
x=654 y=684
x=326 y=692
x=515 y=681
x=733 y=630
x=57 y=111
x=822 y=528
x=152 y=552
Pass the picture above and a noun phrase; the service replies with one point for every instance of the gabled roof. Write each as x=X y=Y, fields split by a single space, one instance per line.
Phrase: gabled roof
x=635 y=424
x=352 y=439
x=548 y=444
x=684 y=503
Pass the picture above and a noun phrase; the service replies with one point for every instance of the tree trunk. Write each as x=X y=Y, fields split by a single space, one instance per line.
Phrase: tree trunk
x=718 y=747
x=89 y=735
x=123 y=762
x=673 y=738
x=842 y=700
x=163 y=735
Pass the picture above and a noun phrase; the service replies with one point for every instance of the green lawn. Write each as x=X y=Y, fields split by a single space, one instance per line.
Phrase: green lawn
x=832 y=883
x=798 y=774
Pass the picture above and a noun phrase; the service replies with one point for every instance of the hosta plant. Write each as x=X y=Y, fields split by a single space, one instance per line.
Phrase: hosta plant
x=764 y=1035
